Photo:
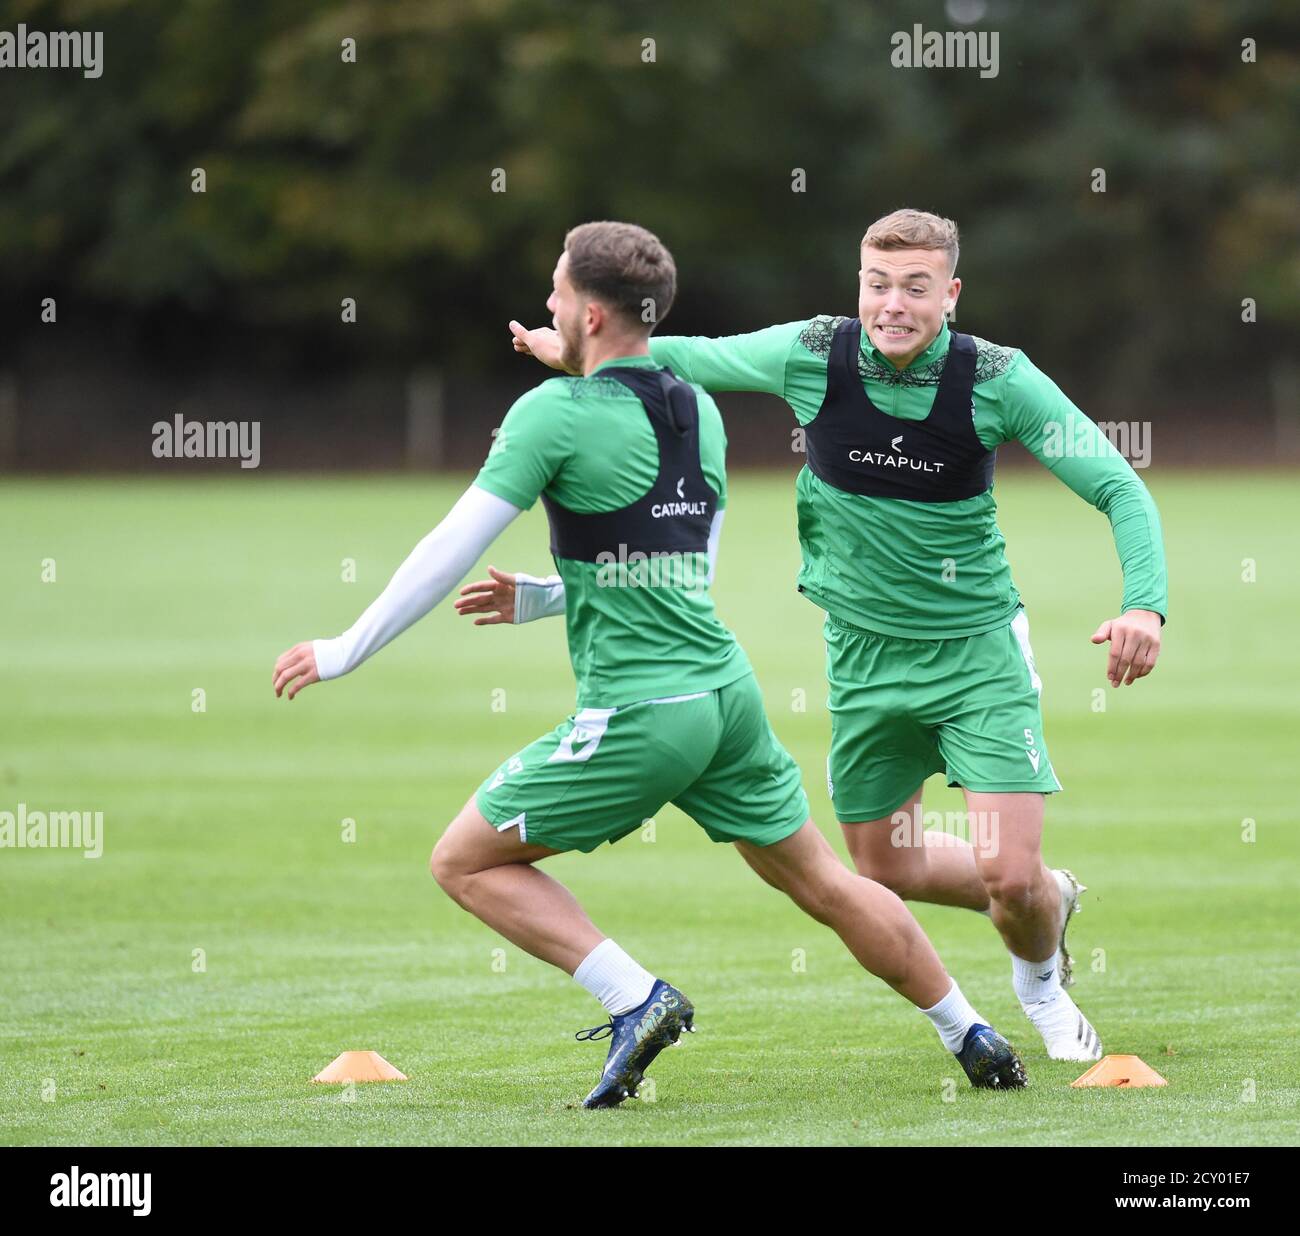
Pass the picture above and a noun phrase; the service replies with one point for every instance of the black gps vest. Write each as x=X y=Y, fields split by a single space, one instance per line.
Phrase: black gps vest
x=854 y=446
x=675 y=515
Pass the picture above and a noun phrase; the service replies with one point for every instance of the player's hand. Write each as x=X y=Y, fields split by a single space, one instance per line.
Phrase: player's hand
x=296 y=669
x=1134 y=645
x=494 y=597
x=541 y=342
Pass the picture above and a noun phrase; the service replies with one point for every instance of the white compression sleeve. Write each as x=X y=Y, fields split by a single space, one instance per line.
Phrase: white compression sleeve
x=538 y=598
x=433 y=568
x=544 y=598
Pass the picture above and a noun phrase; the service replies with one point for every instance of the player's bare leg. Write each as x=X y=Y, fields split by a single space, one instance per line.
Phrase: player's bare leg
x=1024 y=900
x=1027 y=906
x=1006 y=878
x=885 y=939
x=491 y=874
x=874 y=924
x=941 y=870
x=944 y=869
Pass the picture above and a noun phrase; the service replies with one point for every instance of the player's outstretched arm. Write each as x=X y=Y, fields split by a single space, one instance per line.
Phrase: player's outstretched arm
x=754 y=362
x=429 y=573
x=511 y=596
x=757 y=361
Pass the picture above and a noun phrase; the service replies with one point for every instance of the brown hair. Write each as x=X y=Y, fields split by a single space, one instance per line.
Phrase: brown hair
x=914 y=229
x=623 y=266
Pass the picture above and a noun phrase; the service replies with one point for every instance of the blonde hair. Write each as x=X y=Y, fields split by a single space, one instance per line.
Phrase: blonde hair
x=914 y=229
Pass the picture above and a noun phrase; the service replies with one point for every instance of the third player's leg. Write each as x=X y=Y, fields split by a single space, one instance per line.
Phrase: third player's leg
x=875 y=925
x=933 y=865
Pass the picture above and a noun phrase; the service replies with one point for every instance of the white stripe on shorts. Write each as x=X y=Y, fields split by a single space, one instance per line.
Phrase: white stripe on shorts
x=1020 y=625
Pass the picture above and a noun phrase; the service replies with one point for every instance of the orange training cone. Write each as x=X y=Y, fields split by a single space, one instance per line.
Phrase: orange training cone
x=1128 y=1071
x=359 y=1066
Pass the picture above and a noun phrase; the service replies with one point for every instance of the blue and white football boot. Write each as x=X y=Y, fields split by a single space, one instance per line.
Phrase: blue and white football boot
x=990 y=1061
x=636 y=1038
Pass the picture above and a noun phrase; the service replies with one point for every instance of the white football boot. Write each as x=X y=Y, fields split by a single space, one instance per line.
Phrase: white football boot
x=1067 y=1033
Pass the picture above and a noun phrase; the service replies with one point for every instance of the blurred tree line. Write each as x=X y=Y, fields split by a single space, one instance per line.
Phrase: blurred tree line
x=374 y=180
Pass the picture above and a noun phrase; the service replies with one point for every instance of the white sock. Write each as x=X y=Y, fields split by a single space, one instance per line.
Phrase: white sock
x=614 y=978
x=952 y=1017
x=1036 y=981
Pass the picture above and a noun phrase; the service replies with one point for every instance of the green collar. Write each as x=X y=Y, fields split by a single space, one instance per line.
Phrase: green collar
x=641 y=362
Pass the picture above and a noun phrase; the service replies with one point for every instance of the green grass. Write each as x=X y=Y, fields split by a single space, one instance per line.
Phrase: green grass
x=223 y=833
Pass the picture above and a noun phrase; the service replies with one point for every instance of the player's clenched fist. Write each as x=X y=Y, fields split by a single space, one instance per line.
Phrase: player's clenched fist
x=1134 y=645
x=494 y=597
x=296 y=669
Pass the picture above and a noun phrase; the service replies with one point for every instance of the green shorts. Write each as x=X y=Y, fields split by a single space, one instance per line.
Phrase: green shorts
x=605 y=772
x=902 y=709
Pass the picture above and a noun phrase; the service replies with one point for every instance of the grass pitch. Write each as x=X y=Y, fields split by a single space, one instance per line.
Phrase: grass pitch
x=183 y=987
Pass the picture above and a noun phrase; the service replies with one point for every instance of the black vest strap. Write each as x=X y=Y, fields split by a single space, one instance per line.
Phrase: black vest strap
x=675 y=514
x=855 y=447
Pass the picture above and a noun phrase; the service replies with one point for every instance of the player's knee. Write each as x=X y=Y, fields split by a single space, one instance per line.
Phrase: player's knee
x=899 y=880
x=1012 y=887
x=886 y=870
x=444 y=868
